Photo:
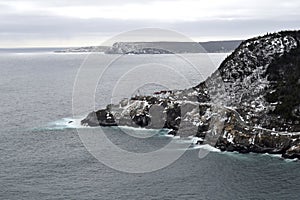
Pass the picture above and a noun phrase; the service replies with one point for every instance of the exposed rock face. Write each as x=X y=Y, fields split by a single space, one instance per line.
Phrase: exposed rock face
x=257 y=93
x=237 y=136
x=139 y=111
x=100 y=118
x=294 y=150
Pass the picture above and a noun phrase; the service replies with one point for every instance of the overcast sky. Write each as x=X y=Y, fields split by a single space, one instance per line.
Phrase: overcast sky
x=88 y=22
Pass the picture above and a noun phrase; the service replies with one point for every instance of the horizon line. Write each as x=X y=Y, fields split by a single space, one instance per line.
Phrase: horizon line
x=71 y=46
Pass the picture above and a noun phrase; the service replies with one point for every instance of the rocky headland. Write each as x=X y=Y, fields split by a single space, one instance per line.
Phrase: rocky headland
x=250 y=104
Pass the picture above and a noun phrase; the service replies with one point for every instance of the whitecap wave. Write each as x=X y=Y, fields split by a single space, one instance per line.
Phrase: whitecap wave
x=272 y=155
x=291 y=160
x=280 y=157
x=209 y=148
x=64 y=123
x=75 y=123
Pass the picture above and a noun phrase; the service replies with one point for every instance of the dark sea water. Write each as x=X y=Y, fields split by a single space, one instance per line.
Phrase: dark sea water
x=42 y=159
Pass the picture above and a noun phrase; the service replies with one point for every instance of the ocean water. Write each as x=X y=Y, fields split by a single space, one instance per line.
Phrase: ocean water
x=41 y=157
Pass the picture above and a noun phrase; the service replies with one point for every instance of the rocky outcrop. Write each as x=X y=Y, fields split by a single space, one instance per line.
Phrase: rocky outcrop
x=250 y=104
x=237 y=136
x=100 y=118
x=294 y=150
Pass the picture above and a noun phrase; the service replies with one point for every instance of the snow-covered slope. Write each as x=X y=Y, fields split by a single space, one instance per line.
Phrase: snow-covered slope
x=248 y=77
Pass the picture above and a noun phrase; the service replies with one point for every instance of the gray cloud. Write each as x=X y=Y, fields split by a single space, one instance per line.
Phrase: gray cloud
x=39 y=25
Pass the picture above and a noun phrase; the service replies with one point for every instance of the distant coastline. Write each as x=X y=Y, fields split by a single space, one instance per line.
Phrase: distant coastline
x=159 y=47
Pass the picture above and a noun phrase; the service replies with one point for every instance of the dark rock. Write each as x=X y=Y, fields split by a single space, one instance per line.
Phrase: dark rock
x=99 y=118
x=172 y=132
x=201 y=133
x=173 y=117
x=142 y=119
x=90 y=120
x=199 y=142
x=294 y=150
x=203 y=109
x=292 y=153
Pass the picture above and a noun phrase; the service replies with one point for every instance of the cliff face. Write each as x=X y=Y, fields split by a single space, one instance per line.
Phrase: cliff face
x=262 y=80
x=250 y=104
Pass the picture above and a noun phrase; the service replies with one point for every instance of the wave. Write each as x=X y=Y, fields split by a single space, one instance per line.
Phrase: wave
x=62 y=124
x=209 y=148
x=280 y=157
x=246 y=156
x=75 y=123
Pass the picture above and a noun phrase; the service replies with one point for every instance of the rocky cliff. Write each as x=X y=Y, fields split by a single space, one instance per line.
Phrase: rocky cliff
x=250 y=104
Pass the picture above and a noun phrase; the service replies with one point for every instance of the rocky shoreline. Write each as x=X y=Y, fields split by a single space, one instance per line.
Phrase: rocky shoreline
x=244 y=119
